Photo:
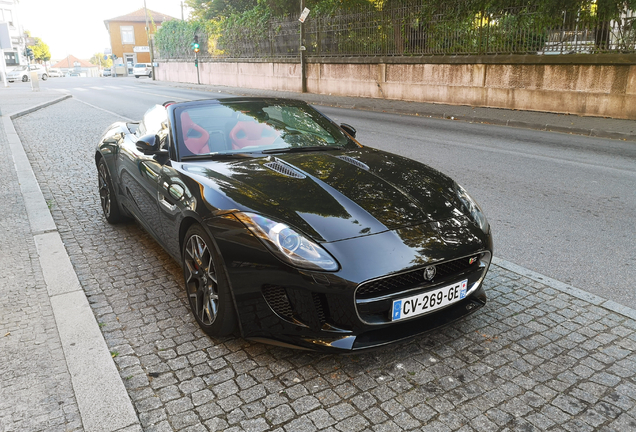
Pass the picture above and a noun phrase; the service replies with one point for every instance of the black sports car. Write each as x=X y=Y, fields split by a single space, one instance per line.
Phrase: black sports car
x=292 y=232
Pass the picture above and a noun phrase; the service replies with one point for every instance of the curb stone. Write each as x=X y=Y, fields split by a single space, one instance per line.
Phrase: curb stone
x=568 y=289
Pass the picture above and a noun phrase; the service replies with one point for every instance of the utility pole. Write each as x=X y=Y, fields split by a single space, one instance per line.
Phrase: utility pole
x=150 y=47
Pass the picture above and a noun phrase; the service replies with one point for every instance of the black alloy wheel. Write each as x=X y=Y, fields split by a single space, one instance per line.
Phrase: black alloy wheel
x=44 y=77
x=107 y=194
x=25 y=78
x=206 y=284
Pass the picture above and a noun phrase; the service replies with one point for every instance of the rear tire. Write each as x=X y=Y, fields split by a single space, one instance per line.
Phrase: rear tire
x=45 y=77
x=107 y=197
x=136 y=76
x=206 y=284
x=25 y=78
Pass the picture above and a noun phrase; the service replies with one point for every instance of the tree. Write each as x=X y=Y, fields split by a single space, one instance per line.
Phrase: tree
x=41 y=51
x=98 y=59
x=211 y=9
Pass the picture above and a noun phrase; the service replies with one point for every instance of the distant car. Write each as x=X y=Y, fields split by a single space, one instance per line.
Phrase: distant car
x=142 y=69
x=23 y=73
x=74 y=74
x=55 y=73
x=106 y=72
x=291 y=232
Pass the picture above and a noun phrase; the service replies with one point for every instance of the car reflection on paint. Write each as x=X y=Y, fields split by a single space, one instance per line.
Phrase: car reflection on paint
x=289 y=231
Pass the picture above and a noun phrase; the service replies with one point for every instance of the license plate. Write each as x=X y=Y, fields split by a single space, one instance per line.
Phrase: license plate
x=429 y=301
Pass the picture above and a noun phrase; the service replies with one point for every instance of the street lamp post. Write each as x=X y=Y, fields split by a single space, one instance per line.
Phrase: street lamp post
x=303 y=70
x=150 y=48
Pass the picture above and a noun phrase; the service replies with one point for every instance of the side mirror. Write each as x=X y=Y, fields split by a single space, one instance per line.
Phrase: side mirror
x=348 y=129
x=149 y=145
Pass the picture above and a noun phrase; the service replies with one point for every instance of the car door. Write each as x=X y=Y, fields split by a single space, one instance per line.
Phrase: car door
x=139 y=177
x=175 y=200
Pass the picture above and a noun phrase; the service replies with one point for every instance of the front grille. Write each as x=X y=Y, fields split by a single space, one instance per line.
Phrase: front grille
x=297 y=306
x=277 y=299
x=413 y=278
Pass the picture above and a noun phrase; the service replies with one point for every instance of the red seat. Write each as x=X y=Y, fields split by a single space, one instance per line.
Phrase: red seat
x=196 y=144
x=251 y=133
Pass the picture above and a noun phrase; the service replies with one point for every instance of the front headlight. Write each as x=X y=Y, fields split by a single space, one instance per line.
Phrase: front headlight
x=473 y=208
x=287 y=244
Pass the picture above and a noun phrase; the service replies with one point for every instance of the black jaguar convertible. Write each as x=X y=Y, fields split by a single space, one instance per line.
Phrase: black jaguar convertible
x=291 y=232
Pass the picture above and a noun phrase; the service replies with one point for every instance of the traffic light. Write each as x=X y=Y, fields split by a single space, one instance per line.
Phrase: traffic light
x=29 y=53
x=195 y=44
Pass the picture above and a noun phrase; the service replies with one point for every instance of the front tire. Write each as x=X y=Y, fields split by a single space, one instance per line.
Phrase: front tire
x=25 y=78
x=45 y=77
x=206 y=284
x=107 y=197
x=136 y=76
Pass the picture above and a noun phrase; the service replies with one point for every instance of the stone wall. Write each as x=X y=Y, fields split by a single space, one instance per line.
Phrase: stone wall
x=607 y=90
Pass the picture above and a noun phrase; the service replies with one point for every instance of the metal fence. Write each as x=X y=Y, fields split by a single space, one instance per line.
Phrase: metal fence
x=416 y=30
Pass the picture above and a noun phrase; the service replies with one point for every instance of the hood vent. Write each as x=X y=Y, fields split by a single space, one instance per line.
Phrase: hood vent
x=284 y=169
x=355 y=162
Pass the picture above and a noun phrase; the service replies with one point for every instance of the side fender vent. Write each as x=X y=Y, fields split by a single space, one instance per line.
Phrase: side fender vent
x=284 y=169
x=355 y=162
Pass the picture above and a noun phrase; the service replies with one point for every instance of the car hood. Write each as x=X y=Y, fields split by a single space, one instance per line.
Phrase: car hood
x=331 y=196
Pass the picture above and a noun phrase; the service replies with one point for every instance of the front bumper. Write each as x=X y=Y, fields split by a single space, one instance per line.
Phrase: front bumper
x=325 y=311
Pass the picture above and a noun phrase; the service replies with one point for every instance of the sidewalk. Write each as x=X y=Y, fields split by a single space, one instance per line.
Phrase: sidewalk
x=589 y=126
x=56 y=373
x=541 y=354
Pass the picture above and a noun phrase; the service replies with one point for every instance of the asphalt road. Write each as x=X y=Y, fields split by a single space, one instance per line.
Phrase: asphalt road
x=561 y=205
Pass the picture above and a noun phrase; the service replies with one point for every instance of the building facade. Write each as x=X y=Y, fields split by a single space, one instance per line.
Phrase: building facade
x=128 y=37
x=9 y=14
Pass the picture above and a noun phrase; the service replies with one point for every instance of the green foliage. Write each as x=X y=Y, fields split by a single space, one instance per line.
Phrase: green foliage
x=215 y=9
x=255 y=28
x=98 y=59
x=41 y=51
x=174 y=39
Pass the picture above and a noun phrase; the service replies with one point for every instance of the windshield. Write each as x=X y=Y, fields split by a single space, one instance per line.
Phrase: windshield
x=21 y=68
x=140 y=65
x=254 y=126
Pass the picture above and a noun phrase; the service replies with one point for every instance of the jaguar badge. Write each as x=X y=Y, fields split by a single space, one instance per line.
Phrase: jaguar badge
x=429 y=273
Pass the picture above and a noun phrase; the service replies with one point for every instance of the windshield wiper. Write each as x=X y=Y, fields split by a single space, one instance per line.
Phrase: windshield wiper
x=301 y=149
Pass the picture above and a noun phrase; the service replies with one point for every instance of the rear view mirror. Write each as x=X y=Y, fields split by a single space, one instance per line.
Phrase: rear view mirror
x=348 y=129
x=149 y=145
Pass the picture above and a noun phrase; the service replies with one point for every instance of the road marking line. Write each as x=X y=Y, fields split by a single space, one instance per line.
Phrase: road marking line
x=163 y=95
x=98 y=88
x=109 y=112
x=80 y=89
x=114 y=87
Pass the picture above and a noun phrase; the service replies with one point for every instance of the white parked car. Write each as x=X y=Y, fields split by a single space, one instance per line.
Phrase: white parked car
x=142 y=69
x=22 y=73
x=55 y=73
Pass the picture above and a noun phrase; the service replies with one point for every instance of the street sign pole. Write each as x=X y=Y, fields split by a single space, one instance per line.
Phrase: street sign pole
x=303 y=70
x=196 y=63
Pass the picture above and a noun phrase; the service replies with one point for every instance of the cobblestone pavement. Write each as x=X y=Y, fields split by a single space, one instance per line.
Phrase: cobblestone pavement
x=534 y=358
x=35 y=387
